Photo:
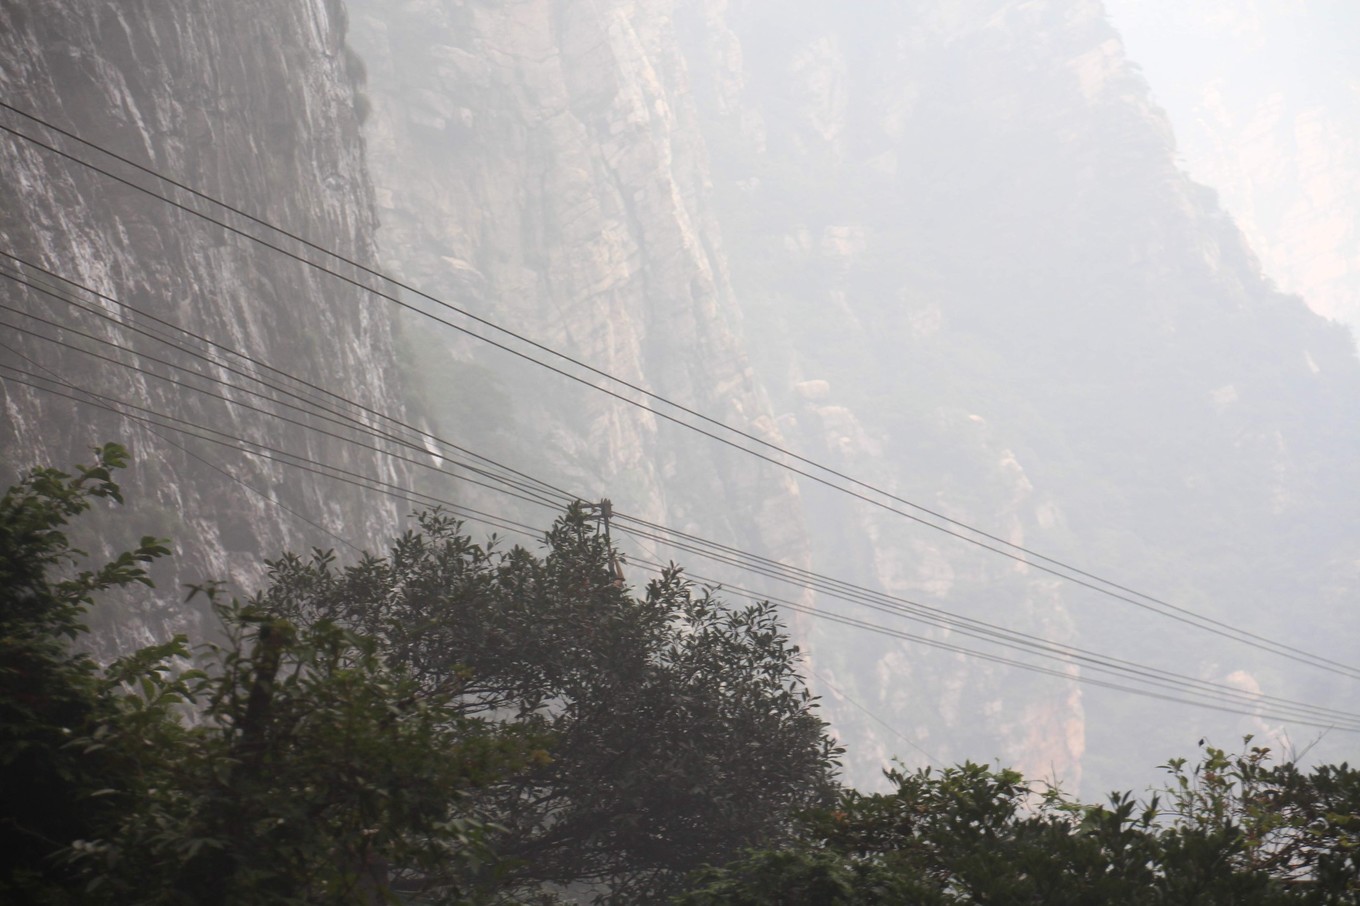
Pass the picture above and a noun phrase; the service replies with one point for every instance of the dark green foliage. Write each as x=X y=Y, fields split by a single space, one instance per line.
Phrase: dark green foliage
x=1300 y=829
x=681 y=729
x=446 y=724
x=51 y=696
x=319 y=773
x=1230 y=831
x=451 y=724
x=1233 y=830
x=313 y=770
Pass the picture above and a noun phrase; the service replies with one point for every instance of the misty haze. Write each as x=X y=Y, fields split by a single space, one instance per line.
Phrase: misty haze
x=998 y=356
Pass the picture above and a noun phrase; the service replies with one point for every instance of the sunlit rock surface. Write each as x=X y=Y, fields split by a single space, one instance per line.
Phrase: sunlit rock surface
x=253 y=105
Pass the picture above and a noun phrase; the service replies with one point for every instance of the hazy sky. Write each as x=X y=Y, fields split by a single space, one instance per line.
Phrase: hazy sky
x=1264 y=96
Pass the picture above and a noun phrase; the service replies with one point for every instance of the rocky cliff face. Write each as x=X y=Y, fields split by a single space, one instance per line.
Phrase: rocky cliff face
x=253 y=105
x=946 y=249
x=546 y=164
x=943 y=247
x=964 y=225
x=541 y=163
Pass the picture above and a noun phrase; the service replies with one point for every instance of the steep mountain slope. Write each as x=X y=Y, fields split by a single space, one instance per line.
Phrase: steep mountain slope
x=943 y=247
x=541 y=164
x=253 y=106
x=951 y=247
x=966 y=225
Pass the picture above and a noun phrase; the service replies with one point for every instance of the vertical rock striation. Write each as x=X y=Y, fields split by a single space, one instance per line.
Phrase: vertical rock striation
x=252 y=104
x=540 y=163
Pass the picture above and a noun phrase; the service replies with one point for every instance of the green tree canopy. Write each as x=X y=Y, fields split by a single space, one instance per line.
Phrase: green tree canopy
x=294 y=764
x=446 y=723
x=682 y=730
x=50 y=695
x=1231 y=830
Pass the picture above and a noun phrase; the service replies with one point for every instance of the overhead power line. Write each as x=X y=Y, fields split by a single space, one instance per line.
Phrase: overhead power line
x=485 y=468
x=993 y=543
x=203 y=460
x=1068 y=655
x=749 y=562
x=561 y=355
x=148 y=417
x=517 y=484
x=1255 y=705
x=173 y=336
x=418 y=462
x=1248 y=709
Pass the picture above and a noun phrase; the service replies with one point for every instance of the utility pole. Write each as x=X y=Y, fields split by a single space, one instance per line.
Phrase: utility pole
x=605 y=509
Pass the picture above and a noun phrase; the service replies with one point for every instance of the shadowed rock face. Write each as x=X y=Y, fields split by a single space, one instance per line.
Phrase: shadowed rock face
x=253 y=104
x=549 y=164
